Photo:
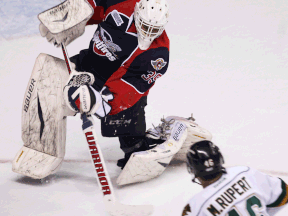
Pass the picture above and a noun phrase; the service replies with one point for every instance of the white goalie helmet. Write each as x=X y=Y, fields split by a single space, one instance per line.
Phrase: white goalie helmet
x=151 y=16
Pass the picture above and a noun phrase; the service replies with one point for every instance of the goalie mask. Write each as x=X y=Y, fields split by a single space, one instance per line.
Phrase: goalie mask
x=151 y=16
x=204 y=160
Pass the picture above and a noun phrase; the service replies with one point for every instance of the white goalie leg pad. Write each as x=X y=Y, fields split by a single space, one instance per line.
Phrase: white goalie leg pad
x=43 y=119
x=35 y=164
x=195 y=133
x=146 y=165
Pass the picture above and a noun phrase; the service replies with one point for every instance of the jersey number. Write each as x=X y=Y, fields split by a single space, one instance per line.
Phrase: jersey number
x=252 y=201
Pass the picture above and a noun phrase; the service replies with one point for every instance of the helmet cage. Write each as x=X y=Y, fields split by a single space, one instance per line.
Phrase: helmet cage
x=147 y=30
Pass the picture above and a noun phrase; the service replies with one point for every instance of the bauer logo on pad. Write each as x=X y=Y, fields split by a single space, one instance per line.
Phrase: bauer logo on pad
x=178 y=131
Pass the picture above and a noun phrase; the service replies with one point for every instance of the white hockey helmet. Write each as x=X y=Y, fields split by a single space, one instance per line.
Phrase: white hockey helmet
x=150 y=18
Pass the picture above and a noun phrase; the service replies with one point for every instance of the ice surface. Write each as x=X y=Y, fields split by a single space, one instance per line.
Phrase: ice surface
x=228 y=66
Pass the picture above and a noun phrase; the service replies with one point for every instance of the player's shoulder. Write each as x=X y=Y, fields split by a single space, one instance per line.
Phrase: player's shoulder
x=250 y=171
x=196 y=203
x=159 y=48
x=235 y=170
x=120 y=5
x=161 y=41
x=157 y=54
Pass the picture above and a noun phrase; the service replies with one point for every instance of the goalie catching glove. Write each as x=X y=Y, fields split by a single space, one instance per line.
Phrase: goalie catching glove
x=65 y=22
x=81 y=97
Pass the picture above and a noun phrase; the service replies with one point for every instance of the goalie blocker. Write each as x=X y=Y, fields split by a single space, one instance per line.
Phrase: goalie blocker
x=43 y=119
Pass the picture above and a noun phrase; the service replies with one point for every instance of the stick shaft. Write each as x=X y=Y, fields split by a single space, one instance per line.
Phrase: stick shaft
x=103 y=178
x=67 y=60
x=102 y=175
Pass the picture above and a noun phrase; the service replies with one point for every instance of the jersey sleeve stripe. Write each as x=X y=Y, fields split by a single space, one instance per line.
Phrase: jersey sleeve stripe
x=132 y=86
x=283 y=198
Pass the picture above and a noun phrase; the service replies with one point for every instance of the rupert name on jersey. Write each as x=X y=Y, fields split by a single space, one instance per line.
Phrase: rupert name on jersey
x=228 y=196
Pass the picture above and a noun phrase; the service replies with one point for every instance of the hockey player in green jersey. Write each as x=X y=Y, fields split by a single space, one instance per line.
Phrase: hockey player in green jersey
x=234 y=191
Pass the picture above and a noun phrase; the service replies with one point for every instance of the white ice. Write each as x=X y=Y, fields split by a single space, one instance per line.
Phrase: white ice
x=228 y=67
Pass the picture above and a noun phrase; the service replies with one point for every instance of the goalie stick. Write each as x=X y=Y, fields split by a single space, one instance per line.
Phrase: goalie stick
x=112 y=206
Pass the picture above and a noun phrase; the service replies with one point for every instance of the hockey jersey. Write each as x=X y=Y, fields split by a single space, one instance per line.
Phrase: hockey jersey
x=115 y=58
x=243 y=191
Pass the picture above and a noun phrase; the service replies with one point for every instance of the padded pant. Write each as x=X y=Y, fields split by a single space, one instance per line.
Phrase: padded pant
x=131 y=144
x=130 y=122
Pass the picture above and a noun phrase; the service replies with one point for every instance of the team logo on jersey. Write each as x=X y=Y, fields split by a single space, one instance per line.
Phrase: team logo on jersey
x=158 y=64
x=151 y=77
x=104 y=46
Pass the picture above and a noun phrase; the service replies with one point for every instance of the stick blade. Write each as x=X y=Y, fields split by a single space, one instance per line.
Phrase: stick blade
x=118 y=209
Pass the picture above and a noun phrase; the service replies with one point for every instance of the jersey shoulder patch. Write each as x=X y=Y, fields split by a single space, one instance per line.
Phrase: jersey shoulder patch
x=186 y=210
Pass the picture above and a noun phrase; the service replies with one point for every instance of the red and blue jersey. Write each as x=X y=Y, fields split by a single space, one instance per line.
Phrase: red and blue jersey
x=115 y=58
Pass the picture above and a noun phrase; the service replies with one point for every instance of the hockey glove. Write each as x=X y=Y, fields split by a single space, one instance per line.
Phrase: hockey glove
x=65 y=22
x=81 y=97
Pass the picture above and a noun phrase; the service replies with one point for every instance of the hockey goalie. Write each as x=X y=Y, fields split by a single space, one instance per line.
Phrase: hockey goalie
x=111 y=79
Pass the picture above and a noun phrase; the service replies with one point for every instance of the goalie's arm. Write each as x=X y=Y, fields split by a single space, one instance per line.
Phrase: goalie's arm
x=129 y=85
x=98 y=14
x=66 y=21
